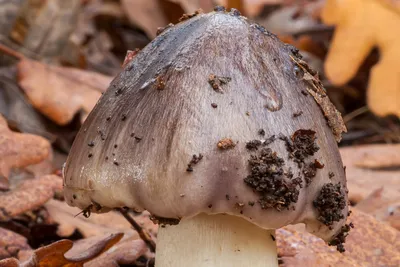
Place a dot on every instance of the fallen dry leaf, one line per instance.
(361, 26)
(149, 15)
(28, 195)
(59, 92)
(126, 251)
(381, 207)
(146, 14)
(11, 243)
(19, 150)
(381, 157)
(370, 244)
(362, 181)
(190, 6)
(96, 224)
(53, 254)
(42, 28)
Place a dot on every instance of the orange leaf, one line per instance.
(60, 92)
(360, 26)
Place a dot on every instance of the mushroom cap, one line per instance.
(207, 86)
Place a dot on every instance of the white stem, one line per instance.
(215, 241)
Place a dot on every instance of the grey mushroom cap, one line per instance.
(211, 77)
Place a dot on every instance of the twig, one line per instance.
(355, 113)
(11, 52)
(142, 233)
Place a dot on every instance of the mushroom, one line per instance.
(218, 180)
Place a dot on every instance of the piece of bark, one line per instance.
(29, 195)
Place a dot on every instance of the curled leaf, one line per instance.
(53, 254)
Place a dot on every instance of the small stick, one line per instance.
(142, 233)
(8, 51)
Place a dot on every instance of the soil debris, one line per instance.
(297, 114)
(189, 16)
(331, 175)
(261, 132)
(267, 179)
(195, 159)
(301, 145)
(330, 203)
(226, 143)
(162, 29)
(160, 83)
(164, 221)
(219, 9)
(340, 239)
(217, 82)
(332, 115)
(253, 144)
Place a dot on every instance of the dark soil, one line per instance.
(310, 171)
(340, 239)
(267, 178)
(253, 144)
(330, 204)
(301, 145)
(164, 221)
(195, 159)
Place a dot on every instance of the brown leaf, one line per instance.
(381, 157)
(96, 224)
(152, 14)
(43, 27)
(19, 150)
(146, 14)
(361, 181)
(59, 92)
(11, 243)
(371, 243)
(381, 207)
(53, 254)
(190, 6)
(28, 195)
(127, 251)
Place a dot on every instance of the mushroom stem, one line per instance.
(215, 240)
